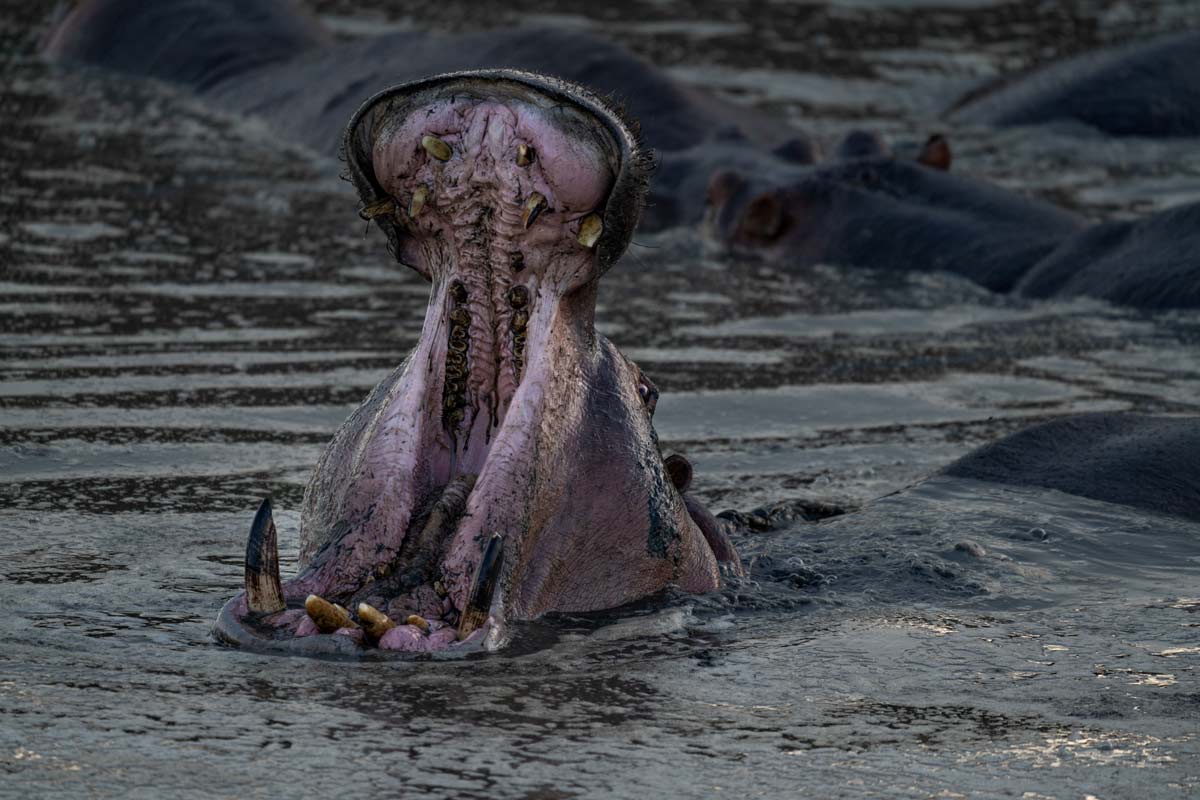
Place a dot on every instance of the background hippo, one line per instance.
(1145, 88)
(270, 59)
(863, 208)
(871, 209)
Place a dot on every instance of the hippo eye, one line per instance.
(763, 219)
(649, 396)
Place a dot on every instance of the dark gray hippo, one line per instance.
(1129, 459)
(873, 209)
(1148, 88)
(509, 467)
(753, 179)
(270, 58)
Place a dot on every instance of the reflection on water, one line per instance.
(189, 310)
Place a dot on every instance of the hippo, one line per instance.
(867, 207)
(739, 174)
(271, 59)
(509, 467)
(1149, 88)
(1136, 460)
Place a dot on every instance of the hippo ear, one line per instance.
(935, 153)
(862, 144)
(798, 150)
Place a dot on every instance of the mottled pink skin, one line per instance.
(568, 468)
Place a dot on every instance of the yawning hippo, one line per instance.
(508, 468)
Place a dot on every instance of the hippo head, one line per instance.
(868, 207)
(509, 467)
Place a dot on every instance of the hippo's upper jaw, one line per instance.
(508, 468)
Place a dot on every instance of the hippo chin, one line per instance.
(509, 467)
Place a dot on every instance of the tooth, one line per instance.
(418, 201)
(479, 601)
(416, 620)
(436, 148)
(378, 209)
(328, 616)
(374, 622)
(264, 594)
(590, 230)
(533, 207)
(525, 155)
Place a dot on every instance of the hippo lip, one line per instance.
(436, 513)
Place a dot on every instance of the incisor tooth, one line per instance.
(590, 230)
(327, 616)
(436, 147)
(534, 206)
(374, 622)
(524, 155)
(416, 620)
(418, 201)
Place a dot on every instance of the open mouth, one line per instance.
(508, 467)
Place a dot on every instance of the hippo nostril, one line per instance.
(525, 155)
(436, 148)
(679, 470)
(418, 201)
(516, 261)
(763, 219)
(534, 206)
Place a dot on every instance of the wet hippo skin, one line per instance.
(271, 59)
(886, 212)
(1130, 459)
(1149, 88)
(751, 178)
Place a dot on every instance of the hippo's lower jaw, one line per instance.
(509, 467)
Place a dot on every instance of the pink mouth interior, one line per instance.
(496, 227)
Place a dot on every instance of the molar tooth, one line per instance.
(479, 600)
(534, 206)
(590, 230)
(418, 201)
(327, 616)
(417, 621)
(264, 593)
(525, 155)
(374, 622)
(436, 147)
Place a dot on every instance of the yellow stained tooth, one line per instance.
(328, 616)
(590, 230)
(436, 147)
(378, 209)
(525, 155)
(418, 201)
(418, 621)
(374, 622)
(534, 206)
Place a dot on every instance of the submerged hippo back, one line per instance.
(1129, 459)
(197, 43)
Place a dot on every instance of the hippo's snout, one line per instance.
(508, 467)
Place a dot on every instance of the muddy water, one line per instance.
(189, 309)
